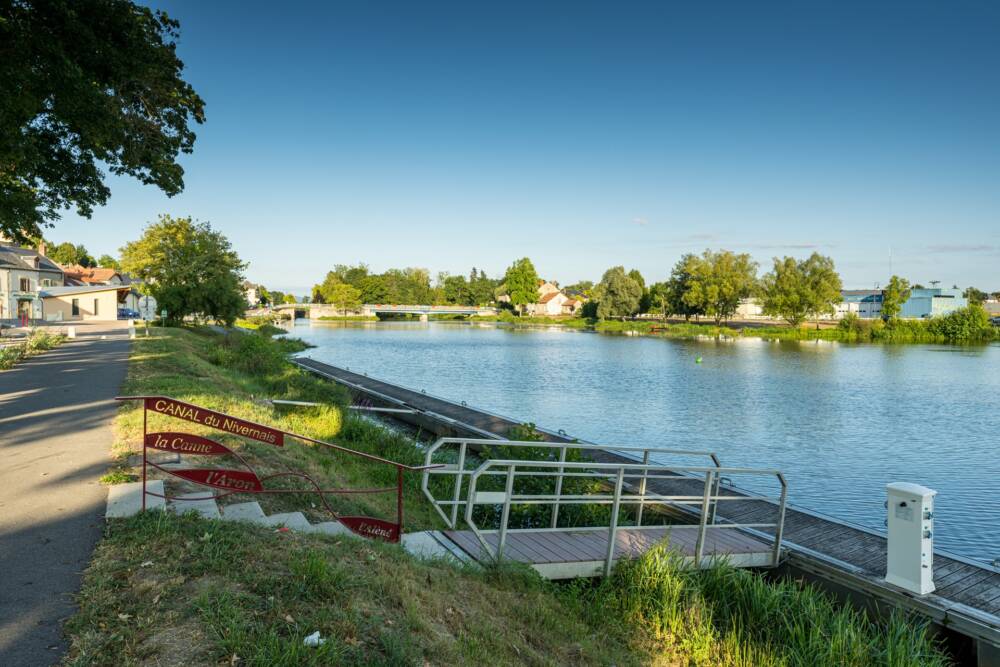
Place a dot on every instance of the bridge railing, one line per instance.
(511, 471)
(460, 457)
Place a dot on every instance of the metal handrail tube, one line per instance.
(629, 466)
(559, 481)
(458, 470)
(642, 488)
(699, 549)
(707, 501)
(575, 445)
(613, 529)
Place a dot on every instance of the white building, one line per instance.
(24, 272)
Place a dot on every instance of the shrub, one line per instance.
(725, 616)
(971, 323)
(256, 355)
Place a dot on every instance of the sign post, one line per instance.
(147, 310)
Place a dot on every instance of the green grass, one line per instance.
(955, 328)
(38, 341)
(725, 616)
(118, 475)
(175, 590)
(181, 590)
(172, 590)
(235, 374)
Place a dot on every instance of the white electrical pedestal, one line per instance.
(910, 561)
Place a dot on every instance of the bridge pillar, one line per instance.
(423, 317)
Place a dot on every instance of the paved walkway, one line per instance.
(55, 437)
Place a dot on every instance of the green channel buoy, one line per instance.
(697, 360)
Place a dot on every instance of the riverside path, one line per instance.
(55, 439)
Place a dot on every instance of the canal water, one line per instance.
(839, 420)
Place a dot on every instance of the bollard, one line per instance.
(70, 332)
(910, 557)
(131, 332)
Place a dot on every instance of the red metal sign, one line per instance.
(366, 526)
(216, 420)
(243, 481)
(185, 443)
(247, 481)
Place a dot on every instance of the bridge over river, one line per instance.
(318, 310)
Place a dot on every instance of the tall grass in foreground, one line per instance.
(725, 616)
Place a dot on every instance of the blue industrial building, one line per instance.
(865, 303)
(923, 302)
(931, 302)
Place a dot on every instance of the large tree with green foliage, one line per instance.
(189, 268)
(343, 297)
(521, 281)
(975, 295)
(895, 295)
(659, 299)
(455, 290)
(87, 84)
(719, 281)
(798, 289)
(109, 262)
(618, 294)
(645, 300)
(677, 287)
(481, 288)
(68, 254)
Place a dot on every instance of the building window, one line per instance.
(76, 308)
(25, 284)
(95, 306)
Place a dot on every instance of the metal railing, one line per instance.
(511, 470)
(458, 449)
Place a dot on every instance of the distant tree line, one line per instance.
(712, 284)
(345, 287)
(67, 254)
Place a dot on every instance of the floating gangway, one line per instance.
(847, 558)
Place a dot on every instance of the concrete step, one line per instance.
(244, 512)
(186, 503)
(293, 520)
(433, 544)
(125, 500)
(329, 528)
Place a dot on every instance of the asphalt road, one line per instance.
(55, 438)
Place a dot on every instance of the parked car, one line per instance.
(128, 314)
(995, 321)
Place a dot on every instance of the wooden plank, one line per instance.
(521, 551)
(739, 542)
(956, 590)
(581, 548)
(957, 575)
(548, 550)
(519, 547)
(993, 606)
(979, 594)
(945, 566)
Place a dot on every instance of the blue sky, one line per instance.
(586, 135)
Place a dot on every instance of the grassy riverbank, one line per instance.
(235, 374)
(175, 590)
(967, 325)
